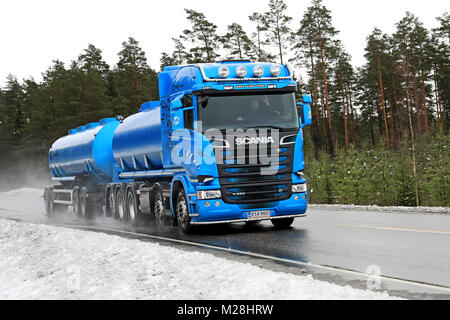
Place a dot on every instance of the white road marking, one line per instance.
(389, 228)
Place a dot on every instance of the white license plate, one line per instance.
(258, 214)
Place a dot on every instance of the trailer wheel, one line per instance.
(283, 223)
(86, 206)
(158, 210)
(76, 201)
(48, 200)
(121, 210)
(110, 208)
(182, 213)
(133, 214)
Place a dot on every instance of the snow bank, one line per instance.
(445, 210)
(47, 262)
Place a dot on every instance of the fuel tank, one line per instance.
(137, 142)
(86, 150)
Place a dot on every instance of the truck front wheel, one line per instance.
(282, 223)
(182, 212)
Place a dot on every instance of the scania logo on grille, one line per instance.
(254, 140)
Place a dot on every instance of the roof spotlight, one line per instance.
(241, 71)
(275, 70)
(224, 72)
(258, 71)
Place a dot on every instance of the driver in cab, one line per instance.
(260, 109)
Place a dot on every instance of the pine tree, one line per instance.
(277, 24)
(258, 38)
(237, 43)
(377, 56)
(316, 24)
(92, 73)
(135, 81)
(203, 36)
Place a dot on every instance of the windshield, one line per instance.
(275, 110)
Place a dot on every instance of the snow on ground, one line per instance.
(441, 210)
(47, 262)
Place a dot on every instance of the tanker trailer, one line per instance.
(81, 163)
(224, 144)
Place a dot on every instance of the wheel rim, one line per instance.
(49, 203)
(120, 205)
(76, 203)
(110, 204)
(83, 206)
(182, 212)
(159, 210)
(131, 207)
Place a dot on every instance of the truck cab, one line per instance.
(234, 130)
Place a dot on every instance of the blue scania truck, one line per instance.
(224, 144)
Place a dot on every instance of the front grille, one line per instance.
(252, 179)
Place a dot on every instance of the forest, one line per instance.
(380, 132)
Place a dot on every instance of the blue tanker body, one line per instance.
(137, 141)
(86, 151)
(163, 162)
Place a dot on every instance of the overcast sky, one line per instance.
(35, 32)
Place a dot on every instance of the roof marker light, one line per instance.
(258, 71)
(275, 70)
(224, 72)
(241, 71)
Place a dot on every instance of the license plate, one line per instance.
(258, 214)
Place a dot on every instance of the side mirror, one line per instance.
(306, 114)
(307, 99)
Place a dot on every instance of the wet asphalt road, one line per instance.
(409, 246)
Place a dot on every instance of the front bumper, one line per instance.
(220, 212)
(246, 220)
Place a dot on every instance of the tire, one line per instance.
(134, 216)
(182, 213)
(48, 200)
(252, 224)
(121, 204)
(282, 223)
(158, 211)
(110, 210)
(76, 201)
(87, 208)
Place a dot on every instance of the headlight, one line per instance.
(224, 72)
(275, 70)
(241, 71)
(209, 194)
(299, 188)
(258, 71)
